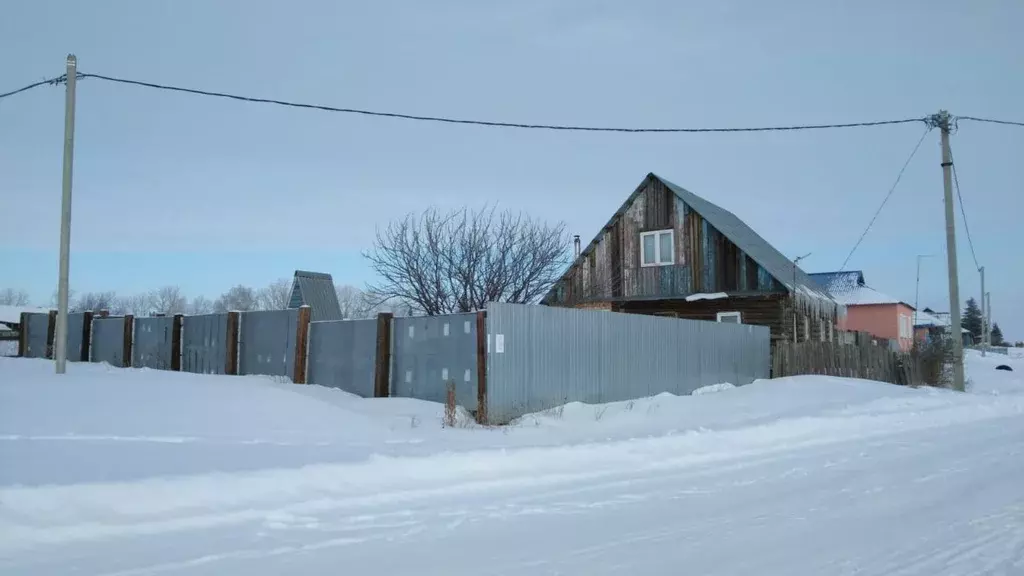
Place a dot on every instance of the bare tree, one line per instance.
(167, 300)
(457, 262)
(276, 295)
(56, 292)
(12, 297)
(199, 305)
(137, 304)
(240, 298)
(95, 301)
(355, 304)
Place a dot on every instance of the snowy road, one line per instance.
(915, 483)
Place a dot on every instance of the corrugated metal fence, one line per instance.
(540, 357)
(342, 355)
(204, 346)
(266, 343)
(153, 347)
(38, 335)
(76, 326)
(535, 357)
(108, 340)
(430, 351)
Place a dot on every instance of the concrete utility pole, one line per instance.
(942, 120)
(60, 348)
(988, 319)
(984, 318)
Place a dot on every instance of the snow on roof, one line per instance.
(848, 288)
(924, 319)
(12, 314)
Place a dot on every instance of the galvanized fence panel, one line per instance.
(204, 344)
(152, 342)
(342, 354)
(430, 351)
(38, 328)
(266, 342)
(108, 340)
(76, 324)
(541, 357)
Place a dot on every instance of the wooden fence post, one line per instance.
(84, 355)
(51, 329)
(382, 362)
(23, 335)
(301, 345)
(126, 343)
(176, 323)
(481, 367)
(231, 364)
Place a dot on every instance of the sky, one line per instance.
(207, 193)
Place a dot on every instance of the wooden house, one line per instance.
(669, 252)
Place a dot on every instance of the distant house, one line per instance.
(929, 325)
(316, 290)
(867, 309)
(669, 252)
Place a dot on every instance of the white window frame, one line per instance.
(734, 314)
(657, 248)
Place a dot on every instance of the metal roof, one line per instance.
(750, 242)
(316, 290)
(848, 288)
(842, 281)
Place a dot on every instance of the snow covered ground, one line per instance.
(109, 471)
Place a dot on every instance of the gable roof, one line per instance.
(848, 288)
(737, 231)
(750, 242)
(316, 290)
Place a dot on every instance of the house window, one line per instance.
(906, 328)
(730, 318)
(657, 248)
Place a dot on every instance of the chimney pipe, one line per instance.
(576, 244)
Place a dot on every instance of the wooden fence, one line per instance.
(845, 360)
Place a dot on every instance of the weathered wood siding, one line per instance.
(765, 310)
(704, 259)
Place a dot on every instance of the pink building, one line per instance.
(867, 309)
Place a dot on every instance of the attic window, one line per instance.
(657, 248)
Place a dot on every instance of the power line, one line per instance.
(967, 229)
(886, 199)
(448, 120)
(50, 81)
(990, 120)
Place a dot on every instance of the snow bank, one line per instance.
(712, 389)
(138, 471)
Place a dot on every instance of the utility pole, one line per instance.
(60, 350)
(942, 120)
(984, 318)
(988, 319)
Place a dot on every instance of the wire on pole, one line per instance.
(887, 196)
(963, 213)
(48, 82)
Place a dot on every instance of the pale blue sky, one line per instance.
(205, 193)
